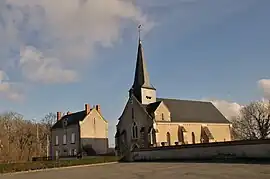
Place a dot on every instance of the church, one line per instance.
(149, 121)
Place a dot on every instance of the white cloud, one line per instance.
(264, 84)
(67, 33)
(228, 109)
(9, 90)
(37, 68)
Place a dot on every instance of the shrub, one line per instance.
(16, 167)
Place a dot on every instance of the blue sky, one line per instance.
(58, 59)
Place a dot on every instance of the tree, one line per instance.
(22, 139)
(45, 130)
(253, 121)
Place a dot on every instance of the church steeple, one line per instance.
(142, 88)
(141, 78)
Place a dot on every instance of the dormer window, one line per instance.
(65, 123)
(148, 97)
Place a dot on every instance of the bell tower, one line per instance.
(142, 88)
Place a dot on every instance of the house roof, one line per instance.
(71, 119)
(190, 111)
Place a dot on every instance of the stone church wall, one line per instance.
(232, 149)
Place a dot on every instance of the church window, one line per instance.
(162, 116)
(134, 131)
(152, 136)
(193, 137)
(181, 135)
(148, 97)
(132, 113)
(168, 138)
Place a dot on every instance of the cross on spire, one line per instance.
(139, 31)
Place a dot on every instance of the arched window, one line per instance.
(168, 138)
(180, 135)
(134, 131)
(193, 137)
(152, 136)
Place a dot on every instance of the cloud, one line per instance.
(62, 33)
(228, 109)
(37, 68)
(264, 85)
(9, 90)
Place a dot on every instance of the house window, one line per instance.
(70, 152)
(64, 139)
(57, 153)
(132, 113)
(134, 131)
(162, 116)
(73, 138)
(56, 140)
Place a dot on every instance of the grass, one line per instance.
(16, 167)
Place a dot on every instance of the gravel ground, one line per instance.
(153, 170)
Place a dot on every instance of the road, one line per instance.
(153, 170)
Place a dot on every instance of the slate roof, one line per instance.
(190, 111)
(150, 108)
(141, 78)
(71, 119)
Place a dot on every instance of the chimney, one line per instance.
(98, 108)
(68, 113)
(58, 116)
(87, 109)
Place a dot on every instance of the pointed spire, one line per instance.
(141, 78)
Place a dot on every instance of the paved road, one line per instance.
(153, 170)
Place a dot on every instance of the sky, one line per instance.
(57, 56)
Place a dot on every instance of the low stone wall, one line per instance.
(232, 149)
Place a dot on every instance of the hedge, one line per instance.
(28, 166)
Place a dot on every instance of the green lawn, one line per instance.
(15, 167)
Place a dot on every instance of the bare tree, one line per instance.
(22, 139)
(47, 122)
(253, 122)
